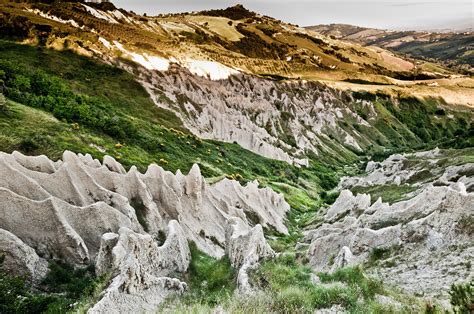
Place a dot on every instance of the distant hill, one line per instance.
(235, 37)
(454, 49)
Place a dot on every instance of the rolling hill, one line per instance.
(453, 49)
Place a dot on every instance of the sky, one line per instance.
(388, 14)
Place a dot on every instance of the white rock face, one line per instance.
(426, 239)
(79, 210)
(20, 259)
(101, 14)
(143, 59)
(390, 171)
(209, 69)
(281, 121)
(141, 269)
(53, 18)
(246, 247)
(345, 203)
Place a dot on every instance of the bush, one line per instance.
(329, 197)
(237, 12)
(462, 297)
(40, 90)
(29, 145)
(3, 103)
(16, 297)
(63, 278)
(364, 96)
(292, 299)
(355, 277)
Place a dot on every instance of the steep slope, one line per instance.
(421, 244)
(284, 121)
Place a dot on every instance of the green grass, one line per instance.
(462, 296)
(285, 286)
(389, 193)
(354, 277)
(210, 280)
(456, 157)
(410, 123)
(379, 254)
(289, 280)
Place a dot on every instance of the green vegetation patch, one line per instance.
(61, 289)
(462, 297)
(286, 285)
(389, 193)
(210, 280)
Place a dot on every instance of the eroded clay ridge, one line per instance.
(426, 240)
(81, 211)
(260, 115)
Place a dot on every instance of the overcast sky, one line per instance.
(395, 14)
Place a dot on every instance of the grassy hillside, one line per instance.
(454, 49)
(69, 102)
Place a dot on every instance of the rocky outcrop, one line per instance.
(399, 169)
(347, 203)
(246, 247)
(141, 268)
(20, 259)
(390, 171)
(78, 188)
(421, 244)
(281, 121)
(81, 211)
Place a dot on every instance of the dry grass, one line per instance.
(165, 35)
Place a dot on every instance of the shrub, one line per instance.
(292, 299)
(40, 90)
(66, 279)
(364, 96)
(329, 197)
(237, 12)
(355, 277)
(281, 273)
(3, 103)
(67, 285)
(462, 297)
(29, 145)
